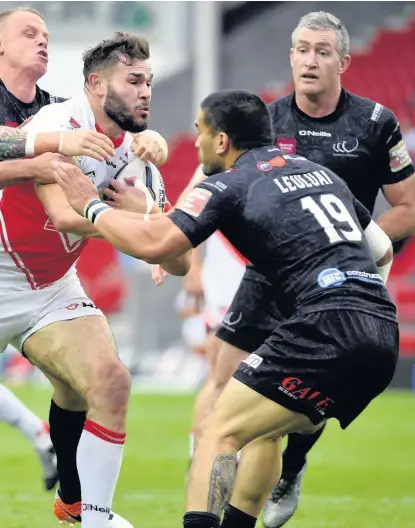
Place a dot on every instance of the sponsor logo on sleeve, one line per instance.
(399, 157)
(195, 202)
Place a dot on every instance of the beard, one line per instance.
(118, 111)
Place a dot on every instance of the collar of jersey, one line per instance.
(326, 119)
(251, 152)
(117, 142)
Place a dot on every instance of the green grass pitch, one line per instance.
(361, 478)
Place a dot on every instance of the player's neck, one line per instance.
(321, 105)
(232, 156)
(20, 83)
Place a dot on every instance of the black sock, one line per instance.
(201, 520)
(234, 518)
(298, 446)
(65, 431)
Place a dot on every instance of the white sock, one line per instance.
(15, 413)
(98, 460)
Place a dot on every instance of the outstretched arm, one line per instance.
(16, 144)
(155, 241)
(19, 143)
(160, 240)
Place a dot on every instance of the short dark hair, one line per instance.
(123, 47)
(242, 115)
(5, 14)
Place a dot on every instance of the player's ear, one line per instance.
(1, 47)
(97, 84)
(344, 64)
(222, 143)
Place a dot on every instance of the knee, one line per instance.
(110, 387)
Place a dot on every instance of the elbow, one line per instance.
(183, 267)
(156, 254)
(186, 263)
(179, 266)
(150, 259)
(152, 254)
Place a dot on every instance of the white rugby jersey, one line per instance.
(32, 253)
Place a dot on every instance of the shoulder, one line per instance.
(371, 113)
(224, 186)
(52, 117)
(52, 110)
(47, 98)
(221, 181)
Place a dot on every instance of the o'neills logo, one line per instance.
(94, 507)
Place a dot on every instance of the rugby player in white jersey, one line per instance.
(55, 325)
(24, 44)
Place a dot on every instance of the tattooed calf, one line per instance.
(221, 483)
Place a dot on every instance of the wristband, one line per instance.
(30, 143)
(93, 209)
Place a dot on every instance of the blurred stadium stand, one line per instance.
(198, 47)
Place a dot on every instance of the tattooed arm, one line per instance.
(12, 147)
(45, 147)
(12, 143)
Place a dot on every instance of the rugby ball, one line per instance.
(147, 176)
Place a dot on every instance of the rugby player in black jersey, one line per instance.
(302, 228)
(361, 141)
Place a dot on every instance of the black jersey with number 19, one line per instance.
(300, 226)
